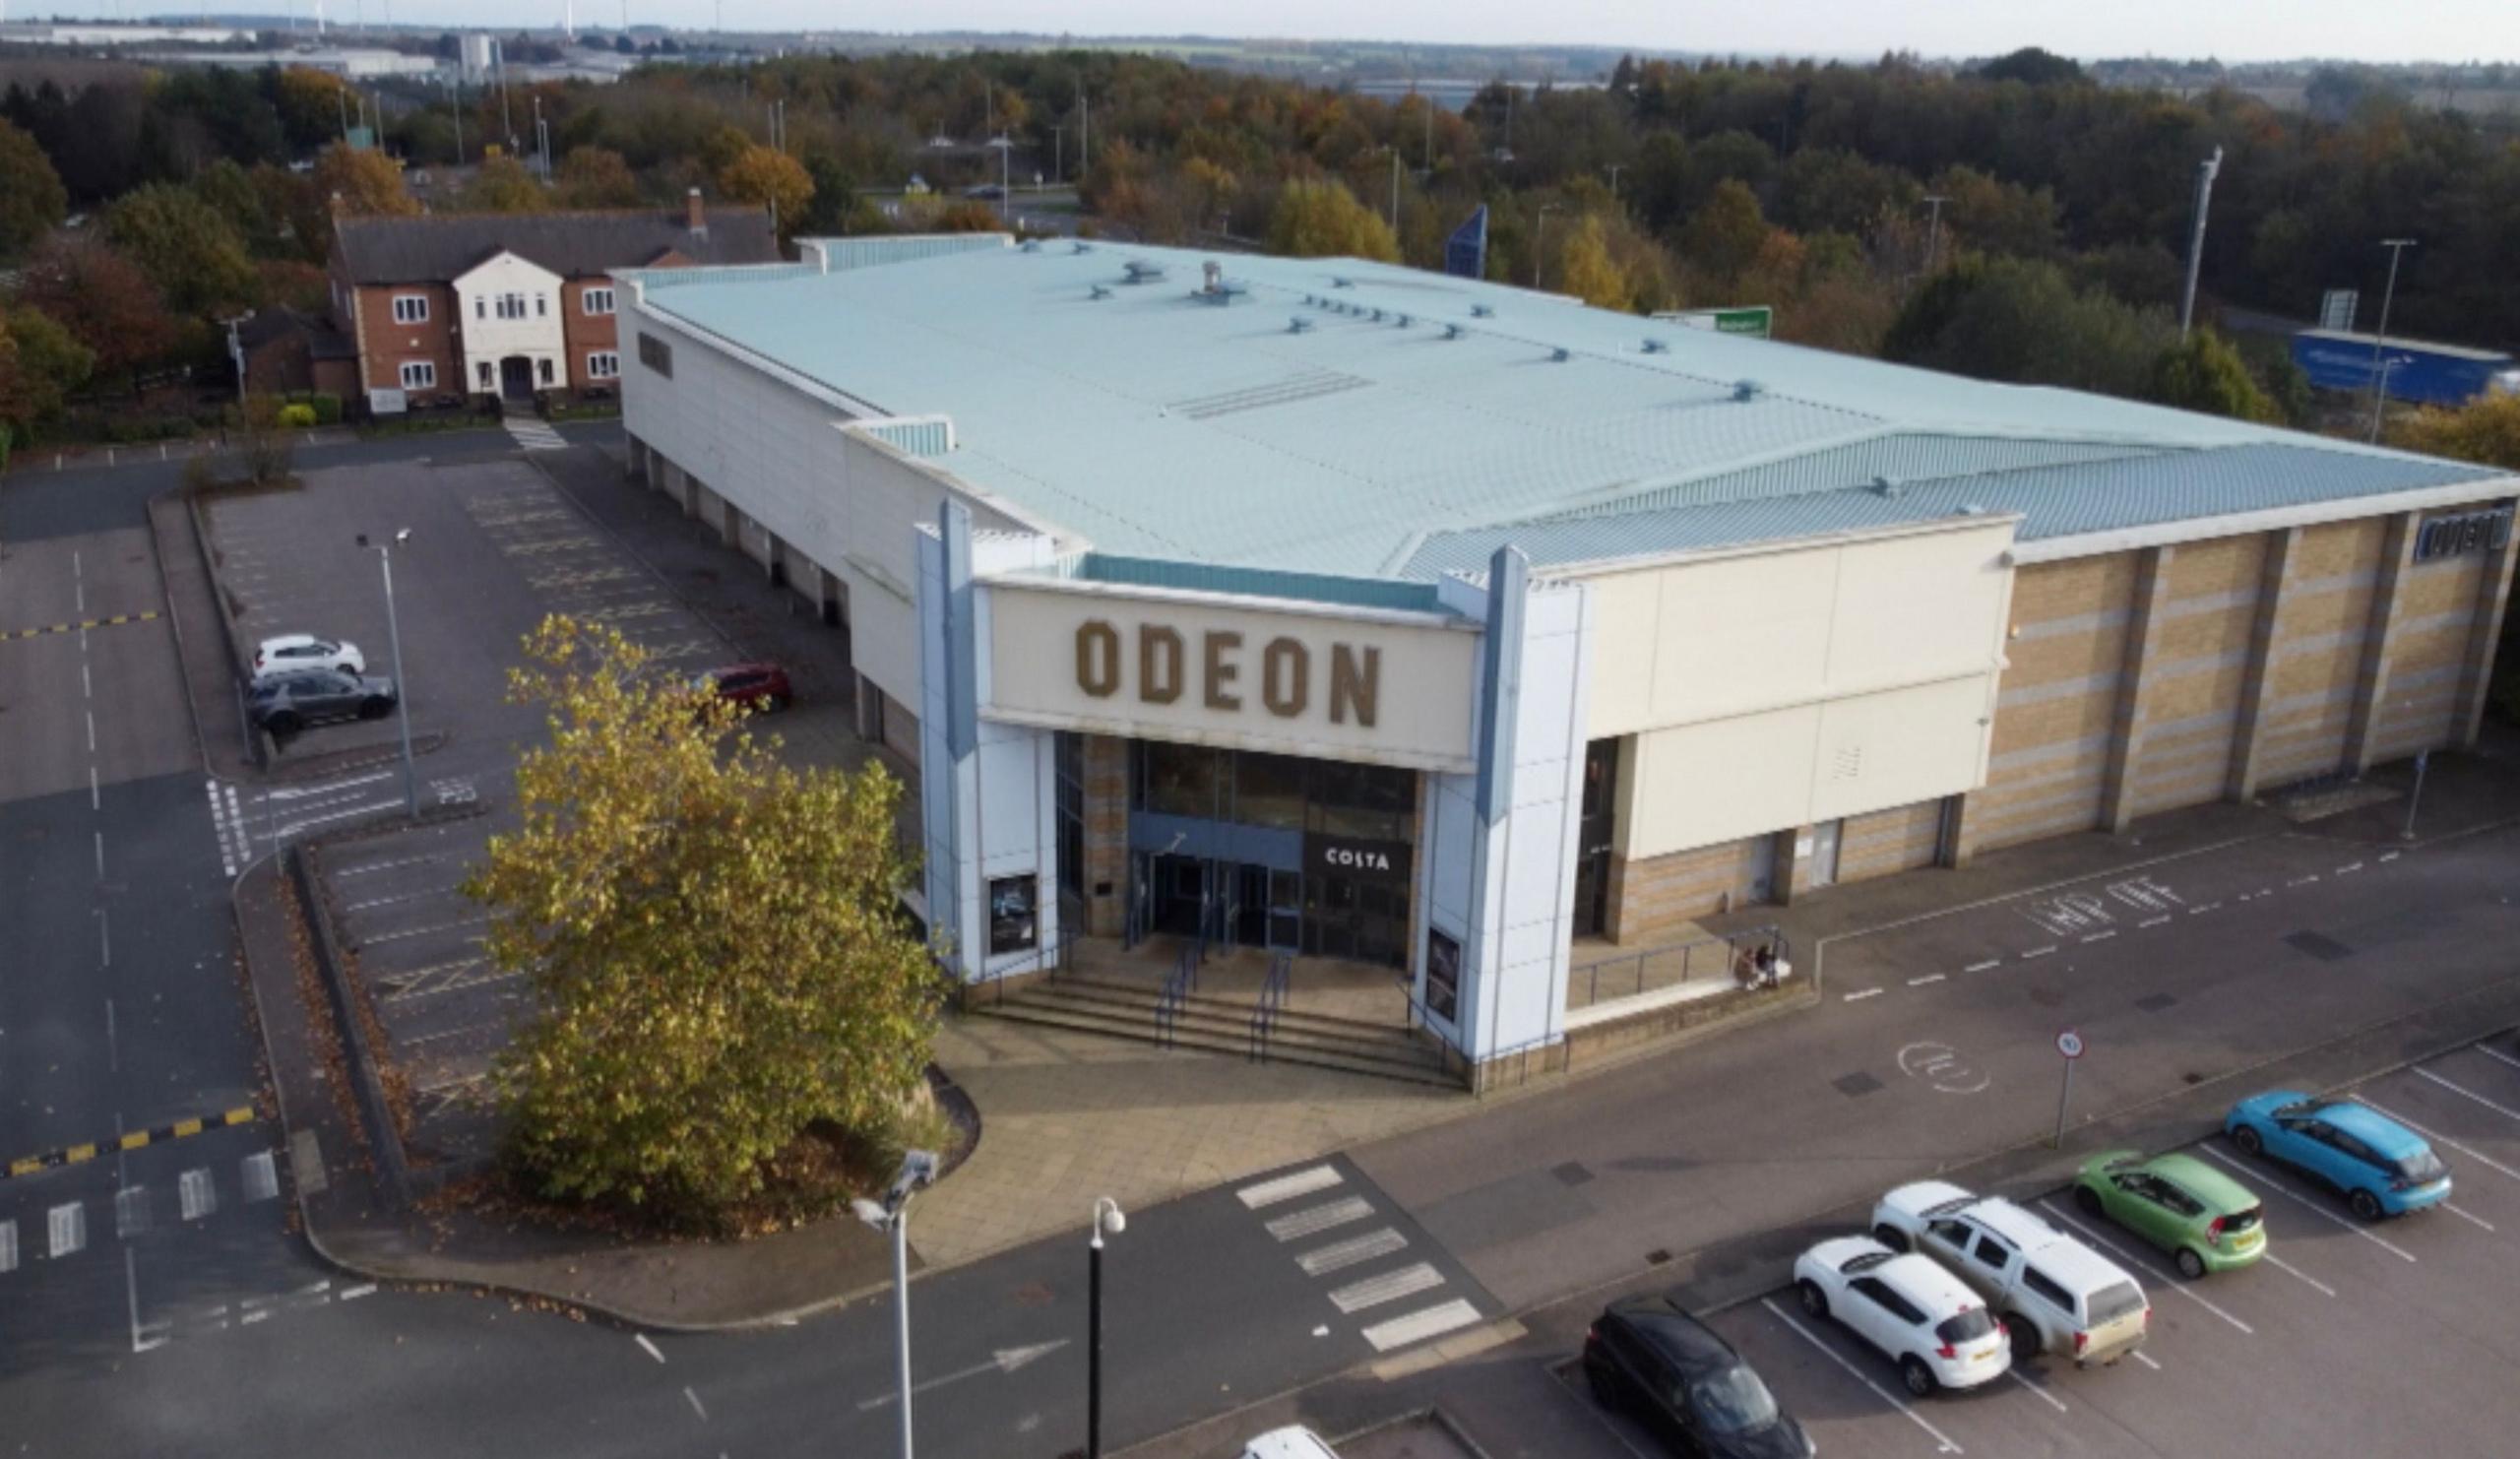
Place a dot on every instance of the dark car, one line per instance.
(290, 702)
(1674, 1374)
(751, 686)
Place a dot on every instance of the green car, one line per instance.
(2205, 1219)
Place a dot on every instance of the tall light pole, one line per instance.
(918, 1168)
(2205, 171)
(1615, 168)
(1933, 228)
(1540, 232)
(402, 688)
(1005, 180)
(2397, 247)
(1106, 1219)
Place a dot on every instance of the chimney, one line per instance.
(694, 213)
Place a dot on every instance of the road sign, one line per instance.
(2338, 306)
(2069, 1043)
(1757, 321)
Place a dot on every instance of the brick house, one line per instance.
(450, 306)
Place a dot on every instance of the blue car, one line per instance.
(2379, 1166)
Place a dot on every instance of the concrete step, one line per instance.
(1138, 1025)
(1144, 994)
(1332, 1036)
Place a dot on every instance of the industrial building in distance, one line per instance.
(1396, 618)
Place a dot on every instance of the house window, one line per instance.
(598, 300)
(603, 364)
(542, 306)
(484, 371)
(480, 308)
(411, 308)
(544, 366)
(419, 374)
(511, 306)
(656, 355)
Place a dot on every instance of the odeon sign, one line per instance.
(1285, 671)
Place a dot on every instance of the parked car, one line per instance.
(285, 704)
(1679, 1379)
(2205, 1219)
(286, 653)
(2379, 1166)
(755, 687)
(1919, 1316)
(2054, 1294)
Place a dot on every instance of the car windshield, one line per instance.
(1968, 1327)
(2422, 1167)
(2114, 1301)
(1733, 1401)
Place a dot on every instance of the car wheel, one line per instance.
(2366, 1205)
(2251, 1143)
(1891, 1236)
(375, 709)
(281, 725)
(2087, 1200)
(2190, 1265)
(346, 667)
(1605, 1391)
(2023, 1335)
(1814, 1300)
(1919, 1377)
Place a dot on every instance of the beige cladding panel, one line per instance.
(1384, 689)
(1703, 784)
(1887, 841)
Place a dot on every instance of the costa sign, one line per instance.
(1355, 859)
(1284, 674)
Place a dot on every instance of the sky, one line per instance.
(2227, 30)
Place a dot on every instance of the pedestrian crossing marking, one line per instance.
(1288, 1187)
(8, 1246)
(68, 1228)
(1373, 1292)
(261, 1177)
(198, 1197)
(1318, 1219)
(1418, 1326)
(1339, 1256)
(131, 1211)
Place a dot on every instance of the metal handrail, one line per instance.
(1168, 1006)
(1271, 1002)
(1733, 962)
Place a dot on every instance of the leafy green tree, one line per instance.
(595, 177)
(2031, 66)
(46, 367)
(2021, 321)
(32, 198)
(502, 184)
(185, 247)
(1723, 239)
(2204, 373)
(713, 940)
(109, 305)
(1320, 218)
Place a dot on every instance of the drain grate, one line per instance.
(1572, 1173)
(1856, 1084)
(2324, 949)
(2155, 1002)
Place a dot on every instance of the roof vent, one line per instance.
(1297, 324)
(1481, 311)
(1747, 390)
(1889, 486)
(1082, 248)
(1452, 332)
(1970, 509)
(1400, 319)
(1100, 293)
(1654, 347)
(1139, 271)
(1559, 354)
(1337, 282)
(1377, 316)
(1032, 245)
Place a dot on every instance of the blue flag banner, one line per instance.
(1466, 251)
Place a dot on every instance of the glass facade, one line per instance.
(1278, 791)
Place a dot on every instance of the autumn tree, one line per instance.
(2485, 430)
(102, 299)
(2204, 373)
(1323, 219)
(368, 183)
(185, 247)
(1585, 270)
(502, 184)
(45, 364)
(312, 104)
(32, 199)
(769, 179)
(1723, 239)
(713, 940)
(595, 177)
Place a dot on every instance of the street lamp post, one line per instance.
(1106, 1218)
(402, 686)
(2397, 247)
(918, 1168)
(1005, 180)
(1539, 233)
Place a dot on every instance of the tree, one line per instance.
(1323, 219)
(503, 185)
(596, 177)
(184, 246)
(2486, 431)
(1585, 270)
(712, 937)
(32, 198)
(1723, 237)
(368, 183)
(313, 105)
(102, 299)
(45, 365)
(2031, 66)
(2204, 373)
(2022, 321)
(771, 179)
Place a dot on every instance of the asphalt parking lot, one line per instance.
(2396, 1338)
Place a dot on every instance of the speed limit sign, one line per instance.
(2069, 1043)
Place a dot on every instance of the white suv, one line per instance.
(1916, 1314)
(2055, 1295)
(288, 653)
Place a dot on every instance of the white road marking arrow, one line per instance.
(1004, 1361)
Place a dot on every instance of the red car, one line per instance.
(756, 687)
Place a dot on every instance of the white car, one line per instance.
(288, 653)
(2054, 1294)
(1921, 1316)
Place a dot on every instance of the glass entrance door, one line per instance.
(1286, 910)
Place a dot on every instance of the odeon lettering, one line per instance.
(1159, 670)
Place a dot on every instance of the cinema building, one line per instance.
(1389, 619)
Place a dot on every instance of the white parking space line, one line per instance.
(1870, 993)
(260, 1174)
(1318, 1219)
(8, 1246)
(1418, 1326)
(2044, 1396)
(2131, 1259)
(1339, 1256)
(2473, 1220)
(2281, 1265)
(381, 866)
(1373, 1292)
(67, 1226)
(1928, 978)
(2506, 1111)
(2486, 1160)
(2035, 952)
(1288, 1187)
(2146, 1359)
(1983, 966)
(649, 1348)
(1832, 1353)
(131, 1211)
(2314, 1208)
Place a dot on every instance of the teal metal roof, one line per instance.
(1365, 420)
